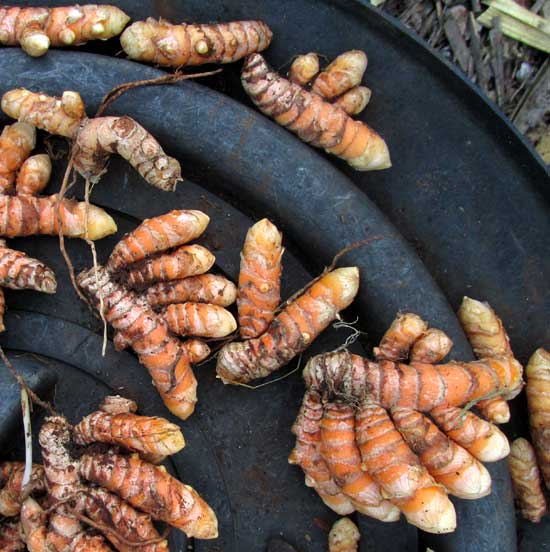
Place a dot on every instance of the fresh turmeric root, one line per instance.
(204, 288)
(421, 387)
(343, 74)
(404, 480)
(33, 526)
(396, 343)
(292, 331)
(10, 495)
(101, 137)
(307, 454)
(304, 68)
(355, 100)
(108, 509)
(29, 215)
(115, 404)
(448, 463)
(62, 116)
(186, 261)
(163, 43)
(148, 334)
(344, 536)
(338, 82)
(156, 235)
(151, 489)
(313, 119)
(413, 461)
(10, 538)
(34, 175)
(59, 523)
(480, 438)
(196, 350)
(526, 480)
(538, 393)
(143, 434)
(259, 278)
(199, 319)
(36, 29)
(431, 347)
(95, 139)
(340, 452)
(16, 143)
(62, 475)
(18, 271)
(488, 337)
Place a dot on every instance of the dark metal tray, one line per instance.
(260, 169)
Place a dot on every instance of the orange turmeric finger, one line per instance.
(156, 235)
(11, 539)
(400, 337)
(110, 510)
(488, 338)
(18, 271)
(304, 68)
(204, 288)
(163, 43)
(10, 495)
(34, 175)
(496, 410)
(115, 404)
(449, 464)
(292, 331)
(431, 347)
(526, 480)
(385, 455)
(61, 116)
(538, 401)
(33, 526)
(259, 278)
(151, 489)
(148, 334)
(150, 435)
(484, 329)
(341, 454)
(480, 438)
(196, 350)
(307, 455)
(60, 469)
(392, 464)
(313, 119)
(187, 260)
(65, 532)
(199, 319)
(343, 74)
(418, 386)
(28, 216)
(344, 536)
(98, 138)
(36, 29)
(16, 143)
(354, 100)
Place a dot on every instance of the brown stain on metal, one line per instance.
(531, 276)
(263, 483)
(235, 156)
